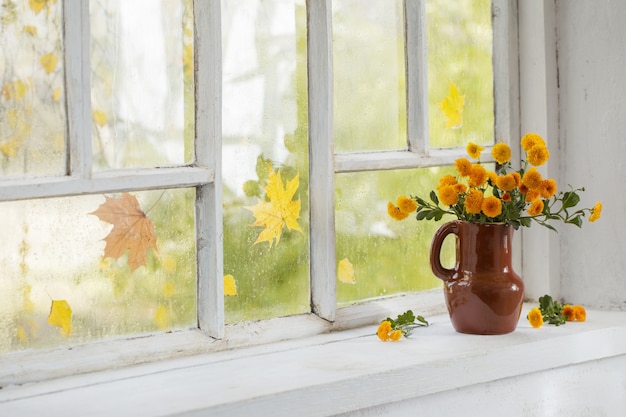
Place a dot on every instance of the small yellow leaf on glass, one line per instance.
(168, 289)
(61, 316)
(36, 5)
(100, 117)
(162, 318)
(230, 287)
(31, 30)
(49, 62)
(345, 271)
(452, 107)
(19, 88)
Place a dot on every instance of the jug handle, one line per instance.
(439, 270)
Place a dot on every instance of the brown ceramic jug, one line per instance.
(482, 292)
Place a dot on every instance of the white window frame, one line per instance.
(212, 333)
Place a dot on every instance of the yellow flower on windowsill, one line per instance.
(554, 312)
(393, 329)
(515, 197)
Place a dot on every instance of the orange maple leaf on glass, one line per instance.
(132, 230)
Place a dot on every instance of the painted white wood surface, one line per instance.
(321, 147)
(208, 149)
(592, 58)
(352, 370)
(539, 114)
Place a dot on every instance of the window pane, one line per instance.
(265, 162)
(384, 256)
(369, 75)
(460, 72)
(32, 111)
(53, 256)
(142, 86)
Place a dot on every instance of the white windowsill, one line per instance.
(324, 375)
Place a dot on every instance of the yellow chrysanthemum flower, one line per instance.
(477, 176)
(460, 188)
(580, 313)
(463, 166)
(383, 330)
(447, 180)
(448, 195)
(506, 197)
(523, 189)
(491, 206)
(538, 155)
(501, 153)
(596, 211)
(531, 139)
(473, 201)
(535, 318)
(532, 195)
(492, 176)
(395, 212)
(506, 182)
(406, 204)
(547, 188)
(474, 150)
(518, 178)
(395, 335)
(536, 207)
(532, 178)
(568, 312)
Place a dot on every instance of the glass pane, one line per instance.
(383, 256)
(142, 83)
(265, 162)
(460, 72)
(61, 282)
(369, 75)
(32, 110)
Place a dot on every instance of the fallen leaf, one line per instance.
(345, 271)
(31, 30)
(27, 303)
(132, 230)
(36, 5)
(21, 334)
(162, 317)
(100, 117)
(280, 211)
(61, 316)
(230, 287)
(452, 107)
(49, 62)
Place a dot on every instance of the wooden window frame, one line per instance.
(212, 334)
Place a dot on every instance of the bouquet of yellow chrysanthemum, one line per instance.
(478, 195)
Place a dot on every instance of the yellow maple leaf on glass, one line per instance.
(345, 271)
(452, 107)
(279, 210)
(61, 316)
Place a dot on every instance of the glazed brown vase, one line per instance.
(482, 292)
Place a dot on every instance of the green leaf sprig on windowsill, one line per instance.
(554, 312)
(551, 311)
(392, 330)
